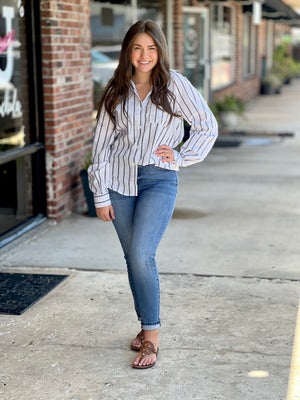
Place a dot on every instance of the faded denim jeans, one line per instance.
(140, 222)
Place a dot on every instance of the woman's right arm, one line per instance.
(98, 171)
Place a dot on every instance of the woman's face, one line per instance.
(144, 54)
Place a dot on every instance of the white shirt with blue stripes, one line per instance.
(117, 151)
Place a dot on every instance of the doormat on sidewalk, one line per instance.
(18, 292)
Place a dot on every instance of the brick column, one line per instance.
(68, 100)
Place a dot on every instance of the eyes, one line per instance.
(149, 48)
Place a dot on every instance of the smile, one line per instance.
(145, 62)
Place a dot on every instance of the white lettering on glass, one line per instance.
(10, 104)
(5, 76)
(21, 9)
(12, 107)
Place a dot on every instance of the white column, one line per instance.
(134, 11)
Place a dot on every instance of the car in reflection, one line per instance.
(103, 67)
(112, 51)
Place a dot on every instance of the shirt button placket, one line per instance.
(138, 133)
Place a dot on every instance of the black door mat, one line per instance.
(18, 292)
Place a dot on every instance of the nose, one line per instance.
(144, 53)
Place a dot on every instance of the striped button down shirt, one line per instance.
(118, 150)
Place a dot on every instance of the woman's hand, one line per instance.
(106, 213)
(165, 153)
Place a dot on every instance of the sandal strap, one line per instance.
(147, 348)
(140, 336)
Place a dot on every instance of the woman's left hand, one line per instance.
(165, 153)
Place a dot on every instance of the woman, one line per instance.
(134, 171)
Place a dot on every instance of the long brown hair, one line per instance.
(117, 88)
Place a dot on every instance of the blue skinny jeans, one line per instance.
(140, 222)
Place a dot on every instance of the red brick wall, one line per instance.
(67, 82)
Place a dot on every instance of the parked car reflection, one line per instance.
(103, 67)
(112, 51)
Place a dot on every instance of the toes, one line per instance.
(138, 359)
(144, 360)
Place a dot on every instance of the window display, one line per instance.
(223, 46)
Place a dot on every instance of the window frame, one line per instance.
(249, 52)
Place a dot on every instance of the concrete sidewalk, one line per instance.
(229, 266)
(74, 344)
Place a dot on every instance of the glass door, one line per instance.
(196, 66)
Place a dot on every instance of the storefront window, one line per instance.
(12, 73)
(109, 23)
(248, 46)
(18, 148)
(194, 46)
(223, 46)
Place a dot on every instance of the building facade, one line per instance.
(56, 58)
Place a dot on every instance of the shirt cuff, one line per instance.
(102, 200)
(178, 158)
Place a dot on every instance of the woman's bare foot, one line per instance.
(148, 359)
(137, 342)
